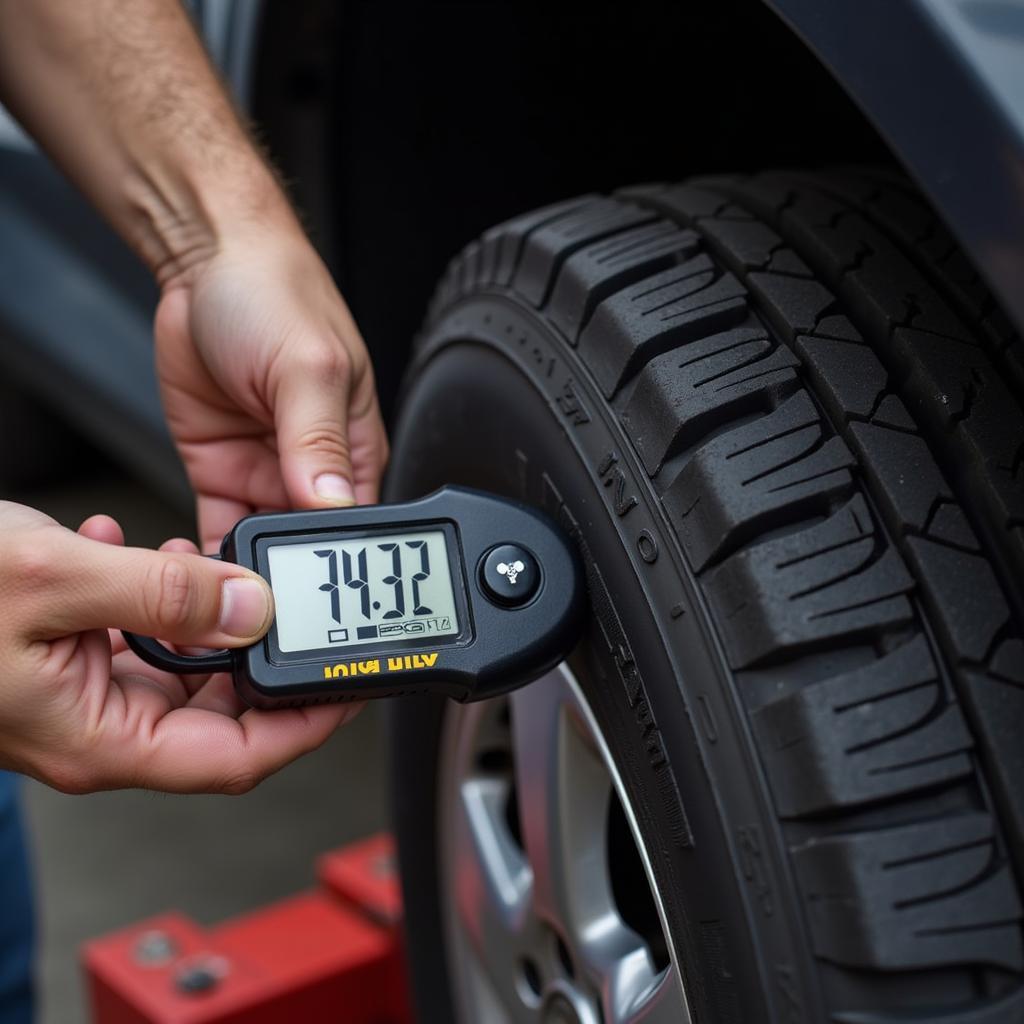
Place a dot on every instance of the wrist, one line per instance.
(184, 216)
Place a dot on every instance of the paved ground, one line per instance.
(105, 860)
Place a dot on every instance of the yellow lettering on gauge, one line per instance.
(353, 668)
(404, 662)
(407, 661)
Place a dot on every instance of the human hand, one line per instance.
(81, 713)
(266, 382)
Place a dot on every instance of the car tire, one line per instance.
(782, 417)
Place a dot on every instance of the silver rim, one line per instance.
(551, 912)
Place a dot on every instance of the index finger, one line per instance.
(216, 517)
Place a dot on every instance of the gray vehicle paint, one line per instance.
(943, 81)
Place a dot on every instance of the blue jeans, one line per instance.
(16, 924)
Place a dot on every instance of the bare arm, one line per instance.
(266, 382)
(123, 97)
(266, 385)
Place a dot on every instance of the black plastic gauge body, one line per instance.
(364, 608)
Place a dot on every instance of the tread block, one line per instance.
(891, 412)
(742, 481)
(835, 325)
(506, 239)
(1008, 662)
(962, 391)
(682, 394)
(837, 578)
(686, 201)
(889, 289)
(469, 267)
(600, 269)
(1008, 1009)
(948, 372)
(677, 305)
(843, 242)
(447, 290)
(925, 895)
(549, 244)
(792, 305)
(969, 606)
(949, 525)
(786, 261)
(953, 381)
(487, 262)
(998, 708)
(754, 245)
(900, 212)
(859, 185)
(903, 469)
(848, 377)
(870, 734)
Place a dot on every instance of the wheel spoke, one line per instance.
(564, 793)
(619, 965)
(493, 884)
(664, 1004)
(514, 883)
(563, 803)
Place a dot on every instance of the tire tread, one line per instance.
(822, 393)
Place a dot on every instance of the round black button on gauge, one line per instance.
(509, 575)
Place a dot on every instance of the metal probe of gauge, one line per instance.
(460, 593)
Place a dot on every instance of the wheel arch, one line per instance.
(944, 85)
(926, 85)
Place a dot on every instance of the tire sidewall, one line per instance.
(497, 400)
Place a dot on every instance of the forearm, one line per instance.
(124, 98)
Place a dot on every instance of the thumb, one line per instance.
(175, 596)
(311, 417)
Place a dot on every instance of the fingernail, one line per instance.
(244, 607)
(334, 488)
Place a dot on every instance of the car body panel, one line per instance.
(943, 81)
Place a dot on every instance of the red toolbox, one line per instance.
(332, 954)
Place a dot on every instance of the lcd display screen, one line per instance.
(344, 593)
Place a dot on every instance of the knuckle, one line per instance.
(170, 596)
(30, 565)
(323, 438)
(325, 363)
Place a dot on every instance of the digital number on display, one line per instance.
(374, 589)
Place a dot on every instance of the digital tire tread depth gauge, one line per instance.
(460, 593)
